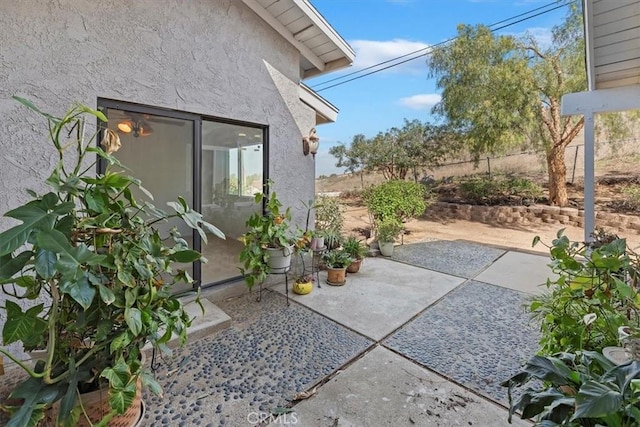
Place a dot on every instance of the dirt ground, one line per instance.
(517, 237)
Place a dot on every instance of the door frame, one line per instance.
(105, 103)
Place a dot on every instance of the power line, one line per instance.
(432, 47)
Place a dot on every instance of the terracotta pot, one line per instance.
(96, 403)
(336, 276)
(354, 267)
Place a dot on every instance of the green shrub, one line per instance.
(388, 229)
(480, 190)
(632, 197)
(493, 191)
(595, 293)
(329, 214)
(395, 199)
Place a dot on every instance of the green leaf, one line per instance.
(22, 326)
(81, 290)
(106, 294)
(30, 105)
(37, 396)
(185, 256)
(133, 317)
(32, 217)
(120, 341)
(121, 399)
(45, 263)
(549, 369)
(11, 265)
(149, 382)
(596, 400)
(118, 375)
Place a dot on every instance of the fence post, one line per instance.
(575, 159)
(489, 166)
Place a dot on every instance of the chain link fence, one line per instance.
(532, 163)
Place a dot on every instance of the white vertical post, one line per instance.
(589, 177)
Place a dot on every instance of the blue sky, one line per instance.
(379, 30)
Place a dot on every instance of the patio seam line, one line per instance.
(425, 268)
(488, 266)
(411, 319)
(505, 287)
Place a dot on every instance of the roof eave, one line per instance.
(325, 111)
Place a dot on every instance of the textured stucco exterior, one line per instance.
(211, 57)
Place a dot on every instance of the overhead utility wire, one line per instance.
(431, 48)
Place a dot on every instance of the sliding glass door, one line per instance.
(232, 158)
(158, 150)
(216, 166)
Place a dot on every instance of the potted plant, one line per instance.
(268, 243)
(356, 250)
(96, 279)
(336, 261)
(388, 229)
(303, 284)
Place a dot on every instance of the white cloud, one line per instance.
(542, 35)
(372, 52)
(422, 101)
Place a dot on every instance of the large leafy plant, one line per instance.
(596, 292)
(268, 229)
(581, 389)
(90, 250)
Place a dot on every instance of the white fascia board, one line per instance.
(284, 32)
(322, 24)
(322, 107)
(601, 101)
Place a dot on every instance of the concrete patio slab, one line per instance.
(478, 335)
(384, 389)
(520, 271)
(378, 299)
(462, 259)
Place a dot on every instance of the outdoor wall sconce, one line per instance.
(311, 143)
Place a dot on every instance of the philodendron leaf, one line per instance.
(133, 317)
(120, 399)
(80, 290)
(33, 217)
(36, 396)
(185, 256)
(22, 326)
(11, 265)
(150, 383)
(45, 262)
(596, 400)
(118, 375)
(106, 294)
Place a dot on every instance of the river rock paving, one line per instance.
(478, 335)
(270, 353)
(462, 259)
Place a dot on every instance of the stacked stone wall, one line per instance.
(536, 214)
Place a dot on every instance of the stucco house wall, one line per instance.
(211, 57)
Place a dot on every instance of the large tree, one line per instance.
(501, 91)
(398, 152)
